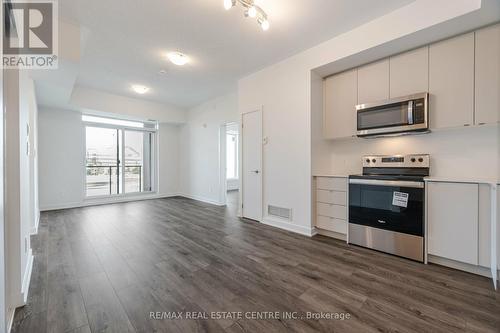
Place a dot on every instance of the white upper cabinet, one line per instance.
(409, 73)
(452, 220)
(451, 82)
(373, 82)
(487, 87)
(340, 98)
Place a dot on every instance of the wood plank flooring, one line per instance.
(105, 268)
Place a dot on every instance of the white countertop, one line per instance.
(433, 179)
(331, 175)
(462, 180)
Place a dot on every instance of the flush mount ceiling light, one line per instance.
(140, 89)
(178, 58)
(251, 10)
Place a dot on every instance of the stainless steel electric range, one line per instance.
(386, 205)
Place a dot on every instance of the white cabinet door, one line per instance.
(340, 99)
(451, 82)
(409, 73)
(452, 213)
(484, 246)
(487, 87)
(373, 82)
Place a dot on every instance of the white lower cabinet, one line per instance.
(331, 204)
(484, 227)
(332, 224)
(453, 221)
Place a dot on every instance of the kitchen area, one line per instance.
(405, 153)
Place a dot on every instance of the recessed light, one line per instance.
(178, 58)
(140, 89)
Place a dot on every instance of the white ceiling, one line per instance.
(128, 40)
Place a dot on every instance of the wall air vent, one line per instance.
(283, 213)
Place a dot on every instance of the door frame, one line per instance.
(3, 295)
(222, 164)
(241, 171)
(223, 160)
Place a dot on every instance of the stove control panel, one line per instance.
(396, 161)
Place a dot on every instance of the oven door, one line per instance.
(386, 204)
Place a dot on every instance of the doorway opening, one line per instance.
(230, 164)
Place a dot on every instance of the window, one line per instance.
(119, 156)
(232, 154)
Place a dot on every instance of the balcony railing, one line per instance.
(105, 179)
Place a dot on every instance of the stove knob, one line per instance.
(413, 159)
(420, 159)
(374, 160)
(367, 160)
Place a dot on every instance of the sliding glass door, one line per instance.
(138, 161)
(119, 159)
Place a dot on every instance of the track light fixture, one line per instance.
(251, 10)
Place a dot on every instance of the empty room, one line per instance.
(250, 166)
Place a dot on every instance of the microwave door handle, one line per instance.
(410, 112)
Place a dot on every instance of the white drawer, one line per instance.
(331, 196)
(331, 210)
(331, 224)
(331, 183)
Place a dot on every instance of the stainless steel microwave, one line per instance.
(401, 115)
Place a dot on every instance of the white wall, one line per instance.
(61, 158)
(19, 97)
(62, 164)
(199, 148)
(456, 153)
(284, 90)
(91, 99)
(168, 137)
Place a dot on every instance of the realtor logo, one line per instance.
(30, 39)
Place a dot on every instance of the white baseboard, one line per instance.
(460, 266)
(202, 199)
(289, 226)
(86, 203)
(331, 234)
(27, 277)
(34, 230)
(10, 320)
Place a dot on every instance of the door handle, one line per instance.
(410, 113)
(255, 171)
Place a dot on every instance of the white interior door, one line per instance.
(252, 165)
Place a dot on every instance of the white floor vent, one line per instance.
(283, 213)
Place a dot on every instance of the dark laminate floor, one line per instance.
(105, 268)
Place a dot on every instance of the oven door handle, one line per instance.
(396, 183)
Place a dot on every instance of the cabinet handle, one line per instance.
(466, 125)
(481, 124)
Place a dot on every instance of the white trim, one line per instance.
(10, 320)
(479, 270)
(241, 162)
(27, 277)
(87, 203)
(202, 199)
(34, 230)
(298, 229)
(332, 234)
